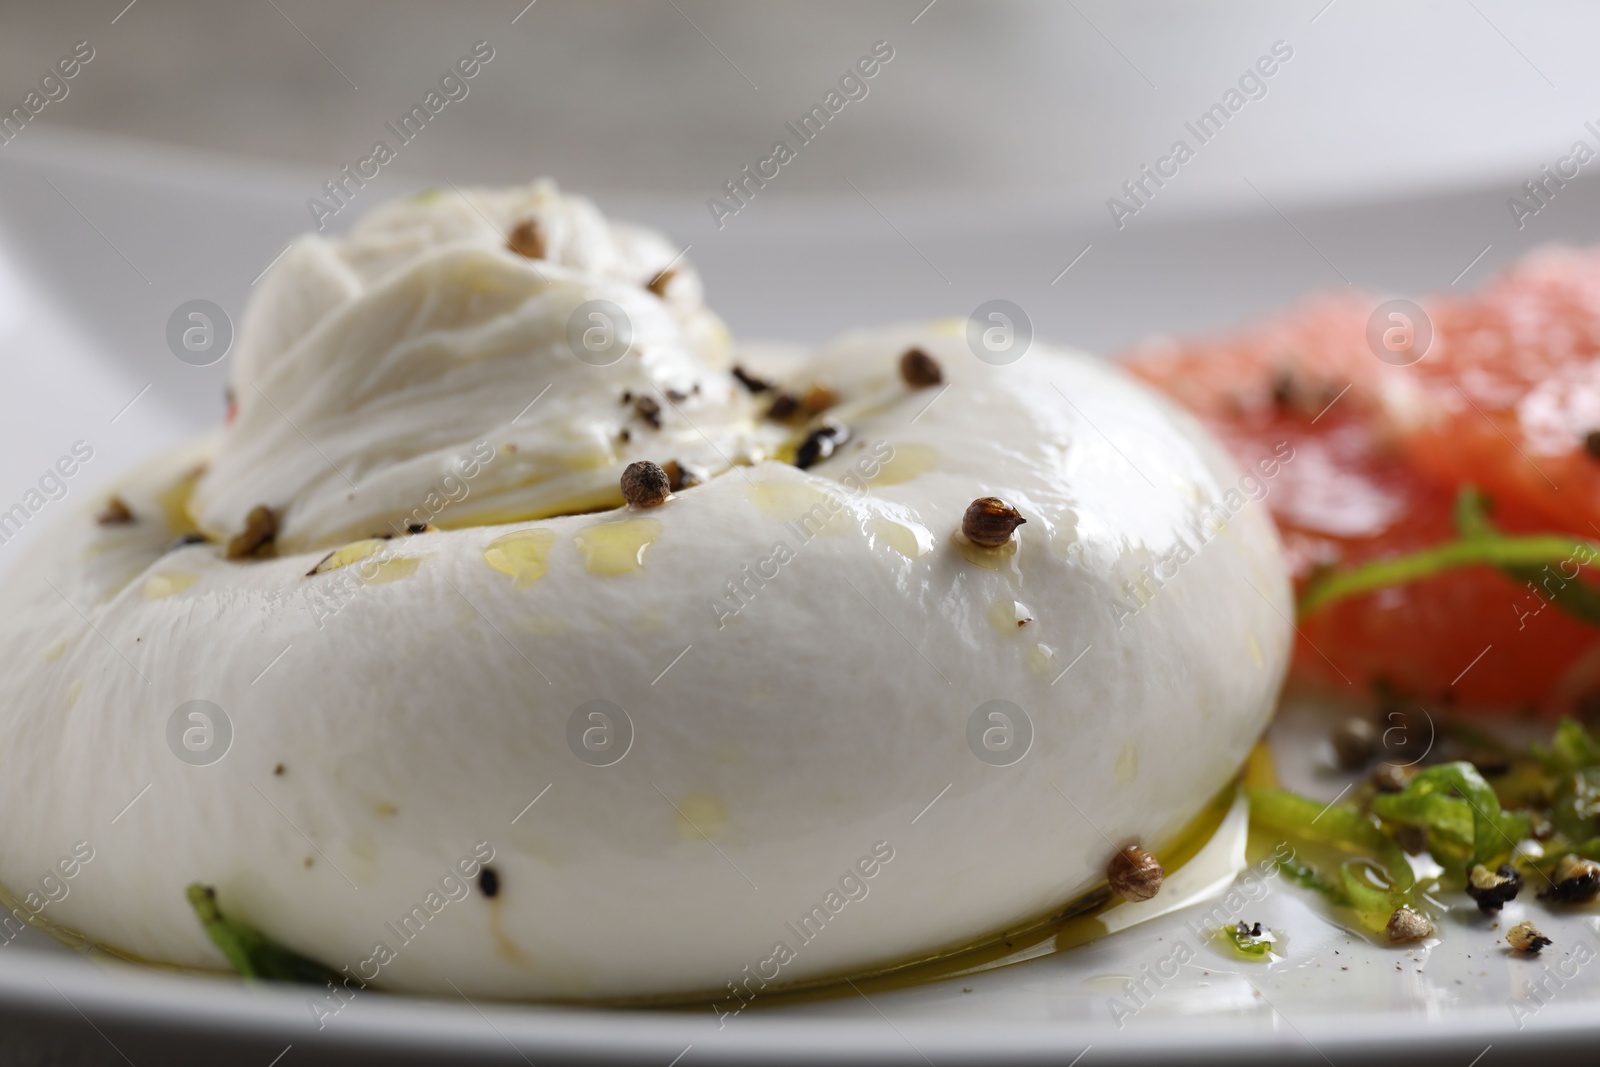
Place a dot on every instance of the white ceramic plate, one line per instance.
(101, 241)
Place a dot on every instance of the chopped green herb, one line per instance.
(1250, 940)
(1524, 558)
(250, 952)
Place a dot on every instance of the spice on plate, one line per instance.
(645, 485)
(920, 370)
(990, 521)
(1390, 777)
(1525, 937)
(489, 882)
(527, 239)
(260, 530)
(1135, 874)
(1575, 881)
(1495, 889)
(116, 513)
(1355, 742)
(1408, 924)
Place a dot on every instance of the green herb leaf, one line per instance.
(1571, 749)
(250, 952)
(1524, 558)
(1461, 813)
(1349, 831)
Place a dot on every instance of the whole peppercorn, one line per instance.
(1493, 890)
(989, 521)
(645, 485)
(920, 370)
(1135, 874)
(1525, 937)
(527, 239)
(1408, 924)
(1355, 742)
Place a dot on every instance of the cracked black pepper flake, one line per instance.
(683, 475)
(1408, 924)
(1591, 443)
(784, 406)
(750, 381)
(677, 396)
(417, 527)
(989, 522)
(1135, 874)
(1525, 937)
(260, 530)
(920, 370)
(278, 769)
(645, 485)
(658, 285)
(1493, 890)
(115, 513)
(648, 410)
(820, 444)
(489, 882)
(1575, 881)
(527, 239)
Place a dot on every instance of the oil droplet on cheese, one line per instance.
(991, 559)
(522, 555)
(390, 570)
(354, 552)
(912, 540)
(1009, 616)
(793, 499)
(701, 814)
(72, 692)
(1255, 650)
(54, 652)
(907, 462)
(1127, 767)
(611, 548)
(1042, 659)
(163, 584)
